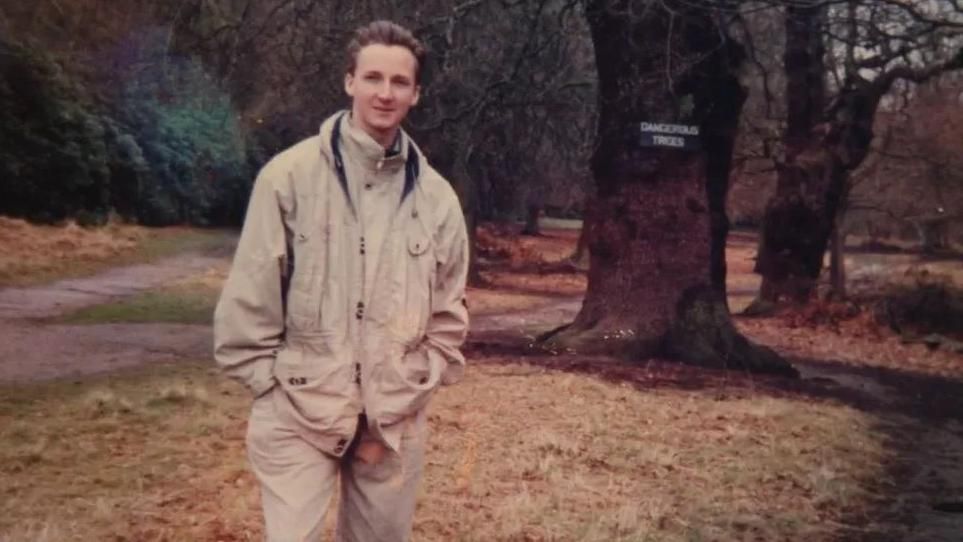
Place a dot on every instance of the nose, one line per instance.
(384, 91)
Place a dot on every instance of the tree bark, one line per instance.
(799, 217)
(532, 212)
(837, 264)
(656, 233)
(580, 258)
(468, 194)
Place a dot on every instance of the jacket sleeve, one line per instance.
(448, 323)
(249, 318)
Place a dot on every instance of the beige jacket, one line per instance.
(295, 311)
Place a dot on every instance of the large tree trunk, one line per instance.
(657, 228)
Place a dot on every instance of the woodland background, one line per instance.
(162, 112)
(804, 263)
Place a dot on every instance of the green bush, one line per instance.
(161, 144)
(53, 154)
(184, 158)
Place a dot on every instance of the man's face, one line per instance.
(382, 89)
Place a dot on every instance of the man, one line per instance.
(344, 309)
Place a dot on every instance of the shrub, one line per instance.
(181, 150)
(927, 303)
(161, 143)
(53, 156)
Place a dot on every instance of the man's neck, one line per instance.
(385, 139)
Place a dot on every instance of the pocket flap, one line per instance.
(292, 371)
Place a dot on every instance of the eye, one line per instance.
(372, 77)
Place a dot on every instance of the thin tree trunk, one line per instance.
(468, 193)
(532, 213)
(657, 232)
(837, 264)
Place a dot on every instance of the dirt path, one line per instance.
(525, 323)
(31, 349)
(66, 295)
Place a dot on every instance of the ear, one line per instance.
(417, 96)
(349, 84)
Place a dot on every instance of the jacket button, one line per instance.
(293, 381)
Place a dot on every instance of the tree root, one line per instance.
(702, 334)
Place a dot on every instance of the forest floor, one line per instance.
(114, 425)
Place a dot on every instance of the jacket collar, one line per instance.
(366, 152)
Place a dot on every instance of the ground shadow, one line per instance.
(927, 401)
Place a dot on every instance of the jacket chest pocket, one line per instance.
(420, 277)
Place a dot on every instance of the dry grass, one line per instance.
(554, 456)
(120, 458)
(32, 254)
(517, 453)
(857, 342)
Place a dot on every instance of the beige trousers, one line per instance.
(377, 501)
